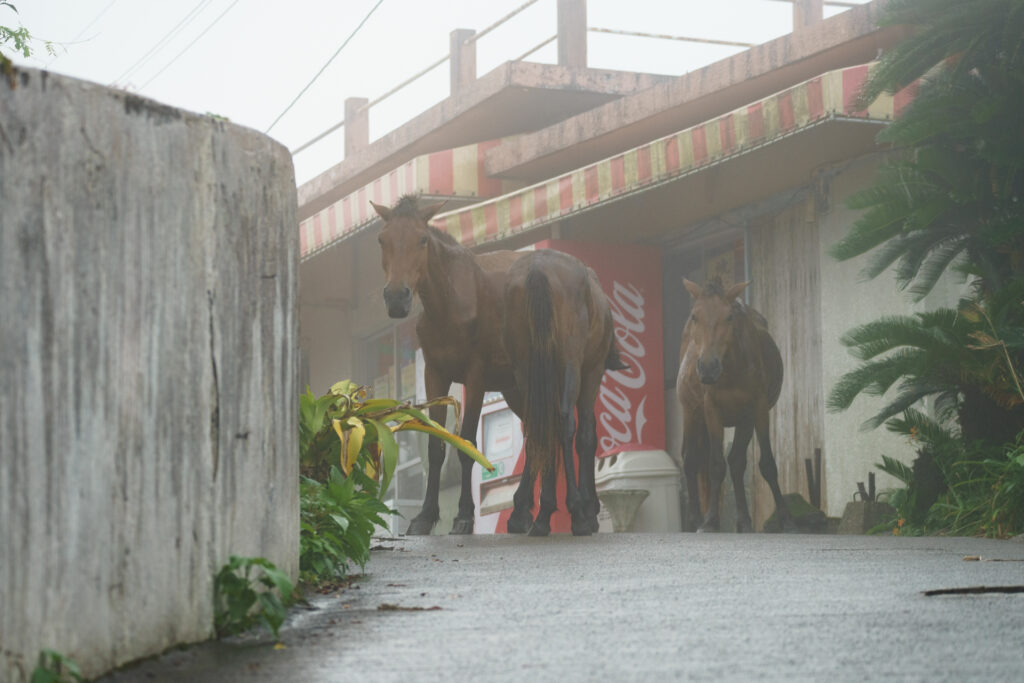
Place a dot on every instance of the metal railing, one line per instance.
(593, 29)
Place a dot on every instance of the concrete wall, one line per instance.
(786, 288)
(849, 452)
(148, 265)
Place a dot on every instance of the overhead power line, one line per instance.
(324, 67)
(189, 46)
(185, 21)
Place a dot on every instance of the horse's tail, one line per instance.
(543, 417)
(612, 360)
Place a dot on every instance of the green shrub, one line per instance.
(337, 521)
(53, 667)
(986, 494)
(348, 455)
(241, 599)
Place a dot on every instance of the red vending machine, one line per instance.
(630, 408)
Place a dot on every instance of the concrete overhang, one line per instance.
(846, 39)
(513, 98)
(690, 176)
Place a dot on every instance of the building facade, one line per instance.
(739, 170)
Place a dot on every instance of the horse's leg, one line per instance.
(522, 501)
(586, 443)
(737, 467)
(768, 469)
(694, 456)
(463, 523)
(716, 468)
(521, 519)
(575, 499)
(423, 523)
(548, 502)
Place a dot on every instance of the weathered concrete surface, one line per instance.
(846, 39)
(148, 265)
(512, 98)
(645, 607)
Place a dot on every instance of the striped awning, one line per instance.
(455, 172)
(826, 97)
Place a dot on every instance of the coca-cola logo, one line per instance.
(621, 423)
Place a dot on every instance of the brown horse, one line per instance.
(560, 338)
(730, 375)
(459, 331)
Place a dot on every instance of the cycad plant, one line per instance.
(951, 197)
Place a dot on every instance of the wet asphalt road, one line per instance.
(644, 607)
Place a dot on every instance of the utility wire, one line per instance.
(186, 20)
(95, 19)
(187, 47)
(82, 32)
(322, 69)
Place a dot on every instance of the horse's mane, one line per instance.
(714, 286)
(408, 205)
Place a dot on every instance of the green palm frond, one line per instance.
(895, 468)
(978, 32)
(912, 391)
(918, 425)
(932, 330)
(934, 265)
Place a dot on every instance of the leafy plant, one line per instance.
(365, 428)
(349, 453)
(337, 521)
(53, 667)
(951, 198)
(986, 494)
(242, 599)
(20, 39)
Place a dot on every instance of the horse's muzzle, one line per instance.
(709, 372)
(398, 301)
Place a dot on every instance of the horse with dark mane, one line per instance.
(560, 339)
(730, 375)
(459, 331)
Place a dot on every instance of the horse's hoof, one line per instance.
(462, 527)
(790, 527)
(518, 525)
(744, 527)
(420, 526)
(581, 529)
(594, 525)
(540, 529)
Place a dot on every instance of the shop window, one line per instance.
(391, 361)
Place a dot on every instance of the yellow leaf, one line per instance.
(280, 646)
(971, 312)
(457, 441)
(343, 435)
(355, 443)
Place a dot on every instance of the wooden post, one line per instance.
(357, 125)
(461, 59)
(806, 13)
(572, 33)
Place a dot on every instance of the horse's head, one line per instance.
(711, 326)
(404, 248)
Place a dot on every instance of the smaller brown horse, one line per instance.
(730, 375)
(459, 331)
(560, 339)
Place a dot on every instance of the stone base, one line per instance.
(860, 516)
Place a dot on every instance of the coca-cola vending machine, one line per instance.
(630, 408)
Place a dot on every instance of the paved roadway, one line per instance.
(645, 607)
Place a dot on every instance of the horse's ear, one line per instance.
(427, 212)
(693, 288)
(382, 211)
(736, 290)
